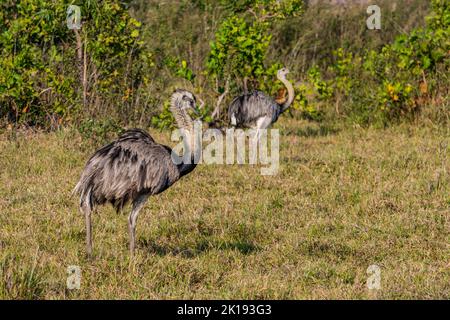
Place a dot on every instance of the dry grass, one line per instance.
(341, 202)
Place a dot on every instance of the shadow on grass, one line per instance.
(319, 131)
(330, 249)
(198, 248)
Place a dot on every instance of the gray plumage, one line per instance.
(245, 110)
(132, 168)
(134, 164)
(256, 109)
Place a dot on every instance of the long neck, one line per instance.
(184, 121)
(290, 90)
(182, 118)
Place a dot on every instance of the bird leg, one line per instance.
(132, 218)
(87, 215)
(261, 124)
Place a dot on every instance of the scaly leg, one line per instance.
(87, 216)
(132, 218)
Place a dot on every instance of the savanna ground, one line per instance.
(344, 199)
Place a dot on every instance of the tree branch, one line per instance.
(216, 111)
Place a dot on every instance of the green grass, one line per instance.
(342, 200)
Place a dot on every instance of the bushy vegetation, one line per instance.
(121, 67)
(50, 73)
(237, 56)
(396, 81)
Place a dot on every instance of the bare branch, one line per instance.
(216, 111)
(202, 103)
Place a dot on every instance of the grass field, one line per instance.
(342, 201)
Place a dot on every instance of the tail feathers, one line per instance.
(84, 189)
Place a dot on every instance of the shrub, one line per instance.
(393, 83)
(40, 67)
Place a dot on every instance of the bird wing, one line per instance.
(246, 109)
(136, 134)
(148, 164)
(131, 165)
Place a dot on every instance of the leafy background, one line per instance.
(134, 53)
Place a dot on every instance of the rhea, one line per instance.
(134, 167)
(257, 110)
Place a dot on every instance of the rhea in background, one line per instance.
(257, 110)
(134, 167)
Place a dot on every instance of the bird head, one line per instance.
(282, 72)
(183, 100)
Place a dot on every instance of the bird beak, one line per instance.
(195, 111)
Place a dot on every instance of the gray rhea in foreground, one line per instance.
(257, 110)
(134, 167)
